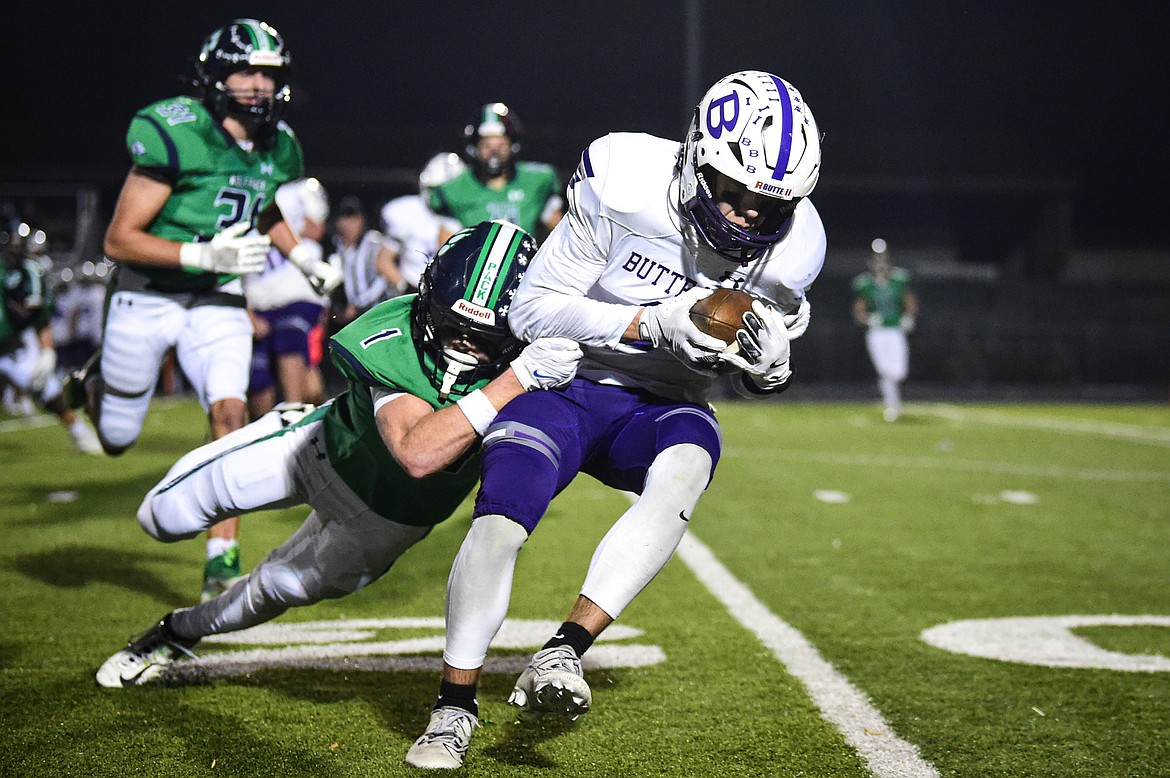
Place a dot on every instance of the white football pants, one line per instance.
(18, 365)
(213, 345)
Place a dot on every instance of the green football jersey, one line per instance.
(215, 181)
(884, 298)
(28, 302)
(377, 351)
(521, 201)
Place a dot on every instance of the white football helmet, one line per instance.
(755, 129)
(439, 170)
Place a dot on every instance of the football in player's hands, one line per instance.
(720, 314)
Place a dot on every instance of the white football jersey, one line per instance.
(412, 230)
(624, 244)
(281, 282)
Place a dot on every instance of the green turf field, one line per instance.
(784, 639)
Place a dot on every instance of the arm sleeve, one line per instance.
(553, 297)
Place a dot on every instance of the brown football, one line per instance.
(720, 314)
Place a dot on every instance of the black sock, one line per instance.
(459, 695)
(572, 635)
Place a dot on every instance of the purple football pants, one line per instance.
(541, 440)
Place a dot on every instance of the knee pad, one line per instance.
(279, 583)
(521, 468)
(178, 523)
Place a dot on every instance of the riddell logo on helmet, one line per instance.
(772, 189)
(473, 311)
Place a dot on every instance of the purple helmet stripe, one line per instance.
(786, 130)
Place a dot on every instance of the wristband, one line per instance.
(479, 411)
(191, 255)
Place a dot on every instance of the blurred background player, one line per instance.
(287, 312)
(370, 272)
(496, 184)
(410, 228)
(77, 322)
(887, 307)
(202, 169)
(426, 374)
(28, 360)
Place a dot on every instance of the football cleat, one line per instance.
(76, 389)
(144, 659)
(444, 745)
(552, 683)
(219, 573)
(84, 438)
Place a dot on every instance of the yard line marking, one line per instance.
(967, 465)
(847, 708)
(1157, 436)
(27, 423)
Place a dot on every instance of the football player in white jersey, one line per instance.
(287, 312)
(652, 227)
(410, 228)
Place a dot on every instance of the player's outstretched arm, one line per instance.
(424, 441)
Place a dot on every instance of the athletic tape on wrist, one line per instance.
(479, 411)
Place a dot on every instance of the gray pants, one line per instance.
(341, 547)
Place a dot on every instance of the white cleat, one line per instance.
(144, 659)
(85, 439)
(552, 683)
(444, 745)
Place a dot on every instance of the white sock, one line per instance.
(217, 546)
(480, 587)
(644, 538)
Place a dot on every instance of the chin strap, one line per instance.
(458, 363)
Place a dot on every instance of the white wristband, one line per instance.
(479, 411)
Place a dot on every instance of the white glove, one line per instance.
(43, 368)
(321, 275)
(873, 320)
(906, 324)
(797, 321)
(228, 252)
(546, 363)
(764, 350)
(669, 325)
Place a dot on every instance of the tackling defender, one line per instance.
(204, 171)
(652, 227)
(391, 457)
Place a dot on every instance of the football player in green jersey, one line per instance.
(496, 185)
(392, 456)
(28, 359)
(887, 307)
(205, 172)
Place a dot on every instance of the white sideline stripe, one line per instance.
(1158, 436)
(847, 708)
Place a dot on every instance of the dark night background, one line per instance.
(913, 96)
(1014, 154)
